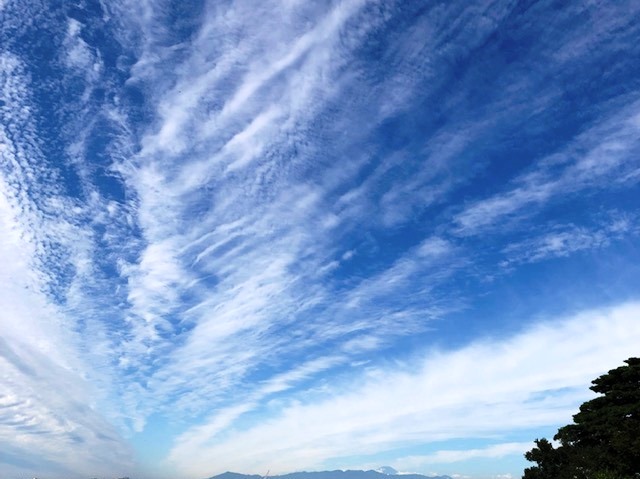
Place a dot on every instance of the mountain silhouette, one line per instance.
(338, 474)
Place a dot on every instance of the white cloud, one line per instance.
(597, 156)
(452, 456)
(211, 277)
(564, 240)
(226, 219)
(50, 393)
(533, 379)
(47, 403)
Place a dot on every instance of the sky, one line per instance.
(307, 235)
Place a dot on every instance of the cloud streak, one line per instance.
(599, 155)
(485, 389)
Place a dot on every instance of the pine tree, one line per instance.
(604, 440)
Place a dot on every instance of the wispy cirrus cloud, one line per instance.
(275, 221)
(227, 206)
(565, 240)
(596, 157)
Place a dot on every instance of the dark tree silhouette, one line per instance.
(604, 440)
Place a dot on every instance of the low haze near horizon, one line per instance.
(308, 235)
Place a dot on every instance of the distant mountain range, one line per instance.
(381, 473)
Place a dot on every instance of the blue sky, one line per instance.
(287, 235)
